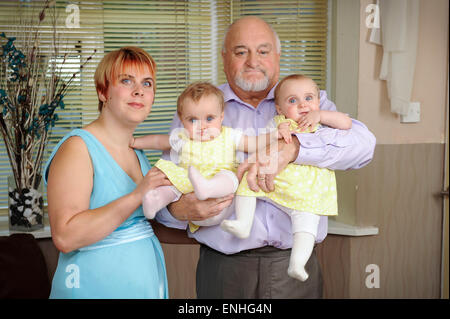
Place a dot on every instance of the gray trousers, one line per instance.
(254, 274)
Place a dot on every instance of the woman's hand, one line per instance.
(154, 178)
(189, 207)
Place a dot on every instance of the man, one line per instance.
(256, 267)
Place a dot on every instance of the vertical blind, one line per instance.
(185, 39)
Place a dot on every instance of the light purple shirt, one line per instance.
(327, 147)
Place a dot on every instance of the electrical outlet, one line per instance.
(413, 115)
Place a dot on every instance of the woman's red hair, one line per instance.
(114, 63)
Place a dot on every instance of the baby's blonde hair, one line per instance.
(196, 91)
(293, 77)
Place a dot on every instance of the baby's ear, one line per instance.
(278, 109)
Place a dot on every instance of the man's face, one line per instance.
(251, 61)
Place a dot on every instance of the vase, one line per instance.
(25, 207)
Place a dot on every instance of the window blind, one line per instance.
(184, 38)
(177, 34)
(76, 44)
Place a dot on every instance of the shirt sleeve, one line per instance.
(236, 136)
(336, 149)
(165, 217)
(176, 142)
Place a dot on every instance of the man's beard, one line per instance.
(252, 86)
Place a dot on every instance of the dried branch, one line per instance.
(32, 88)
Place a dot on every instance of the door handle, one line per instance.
(444, 192)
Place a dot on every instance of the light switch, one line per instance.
(413, 115)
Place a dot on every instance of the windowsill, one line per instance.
(334, 228)
(41, 233)
(337, 228)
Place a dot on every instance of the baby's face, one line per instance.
(297, 97)
(202, 119)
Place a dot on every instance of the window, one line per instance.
(184, 38)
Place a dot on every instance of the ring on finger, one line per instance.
(262, 177)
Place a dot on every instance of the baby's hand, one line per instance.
(310, 118)
(284, 132)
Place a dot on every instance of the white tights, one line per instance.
(304, 230)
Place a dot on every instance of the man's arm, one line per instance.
(336, 149)
(326, 148)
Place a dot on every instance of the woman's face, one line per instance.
(130, 97)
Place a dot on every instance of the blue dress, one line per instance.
(128, 263)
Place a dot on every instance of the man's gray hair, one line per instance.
(277, 39)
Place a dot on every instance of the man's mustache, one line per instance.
(254, 69)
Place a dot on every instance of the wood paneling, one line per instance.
(334, 259)
(399, 193)
(181, 264)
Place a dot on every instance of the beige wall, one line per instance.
(430, 81)
(399, 190)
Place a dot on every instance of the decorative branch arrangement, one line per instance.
(32, 87)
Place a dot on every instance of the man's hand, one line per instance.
(189, 207)
(264, 167)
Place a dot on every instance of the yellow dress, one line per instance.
(208, 157)
(300, 187)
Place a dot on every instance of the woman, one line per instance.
(95, 185)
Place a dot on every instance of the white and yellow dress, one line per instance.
(302, 188)
(208, 157)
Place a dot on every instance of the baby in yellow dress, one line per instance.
(302, 191)
(203, 153)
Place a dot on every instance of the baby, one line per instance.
(304, 192)
(203, 154)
